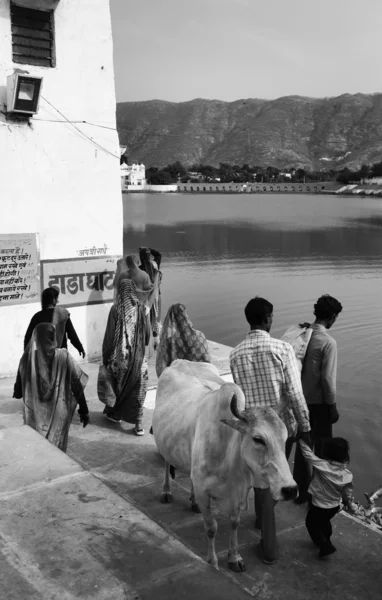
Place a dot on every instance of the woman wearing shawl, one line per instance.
(51, 385)
(127, 268)
(123, 353)
(155, 275)
(179, 339)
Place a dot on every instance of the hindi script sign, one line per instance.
(80, 280)
(19, 260)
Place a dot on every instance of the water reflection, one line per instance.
(212, 241)
(220, 251)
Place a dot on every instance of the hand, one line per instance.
(85, 419)
(351, 508)
(305, 437)
(304, 325)
(334, 415)
(82, 353)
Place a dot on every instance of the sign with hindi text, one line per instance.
(80, 281)
(19, 260)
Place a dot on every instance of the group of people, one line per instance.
(50, 381)
(301, 367)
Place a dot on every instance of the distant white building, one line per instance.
(134, 174)
(374, 181)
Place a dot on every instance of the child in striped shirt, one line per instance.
(331, 481)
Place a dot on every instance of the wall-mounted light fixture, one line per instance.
(23, 93)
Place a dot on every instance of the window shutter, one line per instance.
(32, 36)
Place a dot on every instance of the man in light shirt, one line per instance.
(266, 370)
(318, 377)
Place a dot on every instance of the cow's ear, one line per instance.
(235, 424)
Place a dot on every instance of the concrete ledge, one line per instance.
(90, 525)
(76, 538)
(28, 460)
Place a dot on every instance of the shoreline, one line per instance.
(236, 193)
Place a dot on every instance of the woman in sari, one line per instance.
(155, 275)
(59, 317)
(123, 353)
(127, 268)
(51, 385)
(179, 339)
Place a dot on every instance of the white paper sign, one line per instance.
(19, 262)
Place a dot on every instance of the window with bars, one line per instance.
(32, 36)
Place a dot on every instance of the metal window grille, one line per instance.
(32, 36)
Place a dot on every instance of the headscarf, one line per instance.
(39, 362)
(51, 384)
(179, 339)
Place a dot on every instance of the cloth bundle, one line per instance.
(298, 336)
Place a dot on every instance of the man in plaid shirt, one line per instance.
(266, 370)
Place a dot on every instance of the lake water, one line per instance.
(221, 250)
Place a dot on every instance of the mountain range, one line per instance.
(292, 131)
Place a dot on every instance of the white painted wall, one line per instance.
(171, 187)
(374, 181)
(54, 181)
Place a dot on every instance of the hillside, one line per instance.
(292, 131)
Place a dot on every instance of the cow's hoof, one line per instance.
(237, 567)
(213, 564)
(166, 497)
(195, 508)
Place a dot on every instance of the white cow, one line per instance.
(225, 457)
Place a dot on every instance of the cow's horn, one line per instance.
(234, 409)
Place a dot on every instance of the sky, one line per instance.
(178, 50)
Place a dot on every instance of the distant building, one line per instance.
(374, 181)
(134, 174)
(195, 175)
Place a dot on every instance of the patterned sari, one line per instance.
(124, 354)
(51, 385)
(179, 339)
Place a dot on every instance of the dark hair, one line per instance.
(337, 449)
(48, 296)
(327, 307)
(258, 310)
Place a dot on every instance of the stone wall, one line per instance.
(315, 187)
